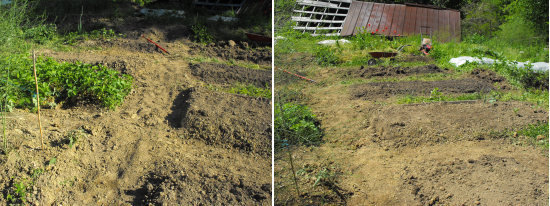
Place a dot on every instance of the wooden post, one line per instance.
(37, 98)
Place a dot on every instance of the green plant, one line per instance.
(74, 136)
(21, 190)
(325, 176)
(66, 81)
(201, 33)
(516, 111)
(37, 172)
(80, 22)
(296, 124)
(251, 90)
(52, 161)
(327, 56)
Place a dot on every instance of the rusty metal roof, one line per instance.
(402, 20)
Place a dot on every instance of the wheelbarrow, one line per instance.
(377, 55)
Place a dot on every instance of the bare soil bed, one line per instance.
(480, 81)
(172, 142)
(447, 153)
(223, 74)
(368, 72)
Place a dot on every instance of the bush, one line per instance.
(327, 56)
(295, 124)
(61, 81)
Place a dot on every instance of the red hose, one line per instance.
(297, 75)
(155, 44)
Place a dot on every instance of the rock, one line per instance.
(442, 188)
(477, 203)
(540, 137)
(232, 43)
(212, 44)
(221, 43)
(245, 44)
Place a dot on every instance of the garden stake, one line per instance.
(37, 97)
(297, 75)
(156, 44)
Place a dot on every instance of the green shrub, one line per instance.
(62, 81)
(327, 56)
(201, 33)
(295, 124)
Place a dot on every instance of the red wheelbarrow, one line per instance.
(377, 55)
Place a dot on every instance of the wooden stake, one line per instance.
(37, 98)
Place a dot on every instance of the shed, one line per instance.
(378, 18)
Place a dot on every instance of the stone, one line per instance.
(232, 43)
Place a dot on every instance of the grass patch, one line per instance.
(240, 88)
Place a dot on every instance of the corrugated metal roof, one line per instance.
(402, 20)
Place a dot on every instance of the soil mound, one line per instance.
(213, 73)
(172, 189)
(466, 182)
(385, 90)
(229, 120)
(227, 52)
(397, 126)
(414, 58)
(487, 75)
(368, 72)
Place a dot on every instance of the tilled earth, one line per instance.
(172, 142)
(441, 153)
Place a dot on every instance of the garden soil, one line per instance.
(172, 141)
(442, 153)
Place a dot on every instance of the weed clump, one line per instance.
(295, 124)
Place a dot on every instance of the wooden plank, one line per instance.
(372, 16)
(430, 21)
(383, 19)
(389, 18)
(406, 20)
(458, 28)
(452, 23)
(400, 25)
(351, 19)
(442, 26)
(360, 18)
(435, 21)
(412, 21)
(377, 18)
(448, 27)
(367, 9)
(398, 16)
(419, 20)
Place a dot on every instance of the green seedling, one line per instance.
(74, 136)
(52, 161)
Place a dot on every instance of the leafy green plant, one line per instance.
(201, 33)
(516, 111)
(327, 56)
(74, 136)
(325, 176)
(296, 124)
(65, 81)
(21, 190)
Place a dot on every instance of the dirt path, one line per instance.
(171, 142)
(419, 154)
